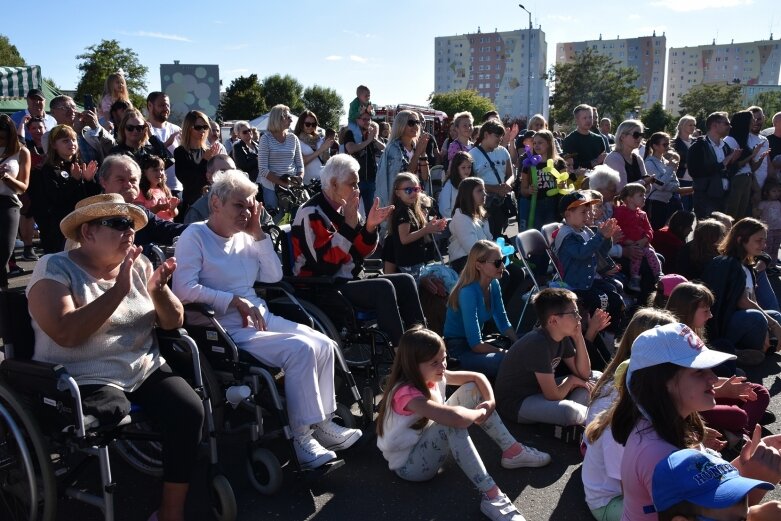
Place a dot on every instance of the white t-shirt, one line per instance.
(313, 168)
(482, 167)
(602, 464)
(761, 172)
(13, 171)
(749, 283)
(745, 169)
(163, 133)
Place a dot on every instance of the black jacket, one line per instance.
(158, 231)
(246, 158)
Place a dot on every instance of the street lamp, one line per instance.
(529, 65)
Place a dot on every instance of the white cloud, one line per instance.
(237, 71)
(161, 36)
(633, 17)
(219, 22)
(359, 59)
(334, 58)
(699, 5)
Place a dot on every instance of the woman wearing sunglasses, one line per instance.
(406, 152)
(192, 155)
(93, 310)
(245, 150)
(61, 182)
(314, 149)
(625, 158)
(475, 299)
(134, 139)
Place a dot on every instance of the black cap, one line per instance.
(35, 93)
(573, 200)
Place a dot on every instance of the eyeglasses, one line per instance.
(67, 108)
(411, 190)
(496, 262)
(120, 224)
(135, 128)
(287, 116)
(246, 131)
(574, 313)
(201, 128)
(310, 124)
(636, 134)
(413, 123)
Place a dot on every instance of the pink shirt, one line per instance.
(643, 450)
(405, 394)
(157, 197)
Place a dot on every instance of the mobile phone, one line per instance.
(89, 103)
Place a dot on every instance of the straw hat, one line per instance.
(97, 207)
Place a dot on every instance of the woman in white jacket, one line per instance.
(469, 223)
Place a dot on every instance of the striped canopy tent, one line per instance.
(14, 84)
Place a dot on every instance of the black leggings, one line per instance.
(173, 406)
(9, 223)
(394, 297)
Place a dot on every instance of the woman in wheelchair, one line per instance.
(93, 310)
(220, 260)
(330, 238)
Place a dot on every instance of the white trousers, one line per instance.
(307, 358)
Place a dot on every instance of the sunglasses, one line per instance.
(411, 190)
(636, 134)
(413, 123)
(201, 128)
(120, 224)
(247, 131)
(498, 263)
(135, 128)
(310, 124)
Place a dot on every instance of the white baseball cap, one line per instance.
(675, 344)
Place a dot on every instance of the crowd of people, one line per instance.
(663, 244)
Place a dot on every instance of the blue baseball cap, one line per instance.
(699, 478)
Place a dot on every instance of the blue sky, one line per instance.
(388, 46)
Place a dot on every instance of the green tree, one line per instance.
(770, 103)
(243, 99)
(9, 54)
(656, 119)
(325, 103)
(459, 101)
(285, 90)
(105, 58)
(597, 80)
(707, 98)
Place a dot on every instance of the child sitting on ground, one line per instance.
(637, 231)
(417, 428)
(526, 388)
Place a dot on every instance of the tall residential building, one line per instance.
(645, 54)
(507, 67)
(751, 63)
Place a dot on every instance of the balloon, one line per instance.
(563, 186)
(505, 249)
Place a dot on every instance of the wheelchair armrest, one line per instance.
(310, 281)
(170, 334)
(200, 307)
(13, 369)
(282, 284)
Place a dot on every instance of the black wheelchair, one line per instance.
(46, 441)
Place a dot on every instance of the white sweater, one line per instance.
(465, 232)
(212, 269)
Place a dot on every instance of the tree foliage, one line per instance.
(325, 103)
(105, 58)
(461, 100)
(770, 103)
(596, 80)
(9, 54)
(243, 99)
(285, 90)
(656, 119)
(708, 98)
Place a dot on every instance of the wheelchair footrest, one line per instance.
(322, 471)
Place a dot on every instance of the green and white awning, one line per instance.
(16, 81)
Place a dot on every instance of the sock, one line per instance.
(515, 449)
(493, 492)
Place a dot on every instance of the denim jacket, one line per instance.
(579, 256)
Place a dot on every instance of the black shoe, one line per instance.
(767, 418)
(16, 271)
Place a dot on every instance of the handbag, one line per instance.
(509, 207)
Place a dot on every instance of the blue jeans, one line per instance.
(269, 198)
(486, 363)
(766, 297)
(748, 327)
(367, 189)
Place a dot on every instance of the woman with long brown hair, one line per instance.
(192, 155)
(14, 177)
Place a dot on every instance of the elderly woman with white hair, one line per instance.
(625, 158)
(280, 160)
(219, 262)
(245, 150)
(331, 238)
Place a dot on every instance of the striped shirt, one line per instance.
(279, 158)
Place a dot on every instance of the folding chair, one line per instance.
(531, 247)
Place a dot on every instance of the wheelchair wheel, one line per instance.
(28, 490)
(344, 416)
(264, 471)
(144, 456)
(223, 500)
(323, 324)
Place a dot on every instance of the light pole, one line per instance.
(529, 65)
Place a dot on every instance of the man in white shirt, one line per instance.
(754, 139)
(158, 108)
(36, 107)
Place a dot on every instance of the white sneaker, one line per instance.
(528, 457)
(335, 437)
(500, 509)
(311, 454)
